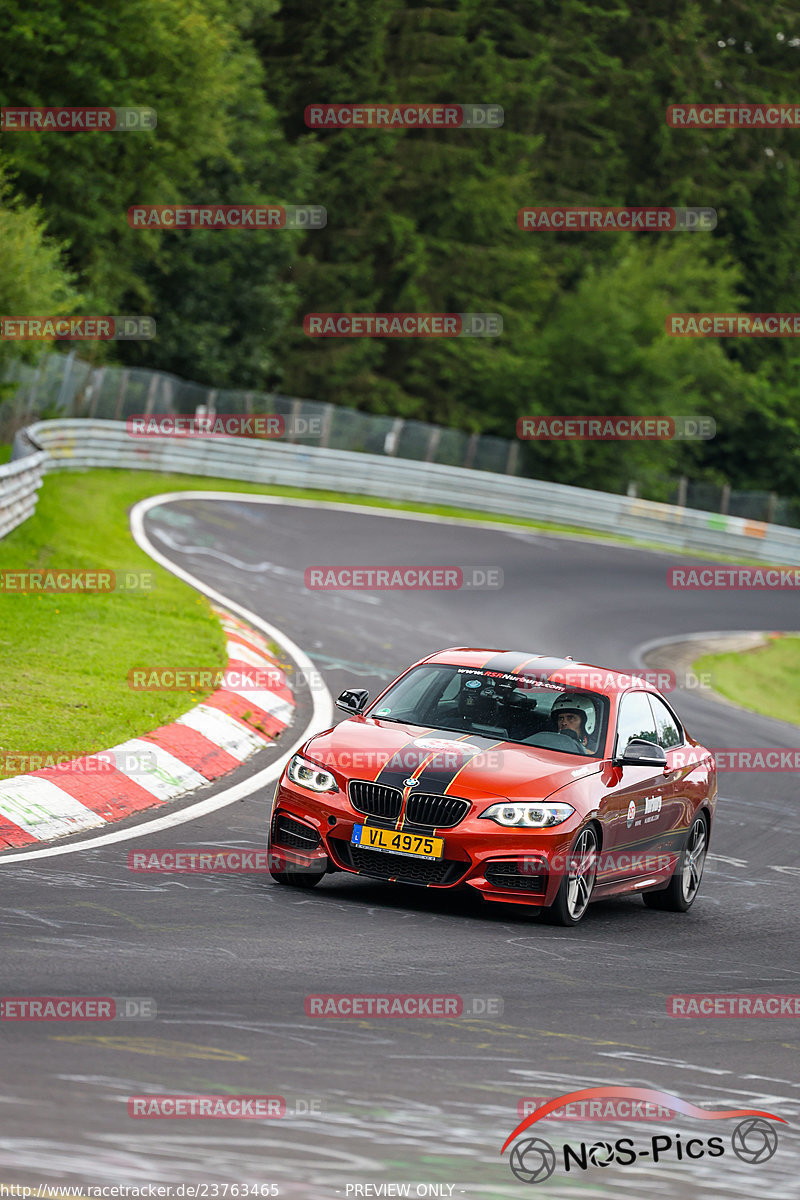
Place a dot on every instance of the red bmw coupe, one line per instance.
(534, 780)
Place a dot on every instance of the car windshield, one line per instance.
(498, 705)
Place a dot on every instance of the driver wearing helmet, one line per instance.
(574, 716)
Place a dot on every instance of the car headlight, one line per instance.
(530, 816)
(309, 775)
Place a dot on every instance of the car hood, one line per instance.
(465, 765)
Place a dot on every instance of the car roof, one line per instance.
(604, 680)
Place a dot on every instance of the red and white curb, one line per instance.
(205, 743)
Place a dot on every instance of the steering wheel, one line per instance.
(550, 740)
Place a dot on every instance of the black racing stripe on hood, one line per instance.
(510, 661)
(445, 765)
(403, 761)
(542, 668)
(409, 758)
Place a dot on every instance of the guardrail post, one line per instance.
(472, 449)
(295, 413)
(151, 395)
(392, 439)
(62, 391)
(725, 499)
(513, 458)
(35, 383)
(95, 388)
(123, 383)
(683, 487)
(433, 443)
(327, 418)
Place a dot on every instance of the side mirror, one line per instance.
(641, 753)
(353, 701)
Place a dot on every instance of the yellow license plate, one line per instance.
(397, 843)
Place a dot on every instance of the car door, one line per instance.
(680, 788)
(633, 798)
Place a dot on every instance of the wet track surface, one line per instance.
(229, 959)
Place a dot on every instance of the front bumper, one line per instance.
(516, 866)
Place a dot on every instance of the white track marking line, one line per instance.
(321, 700)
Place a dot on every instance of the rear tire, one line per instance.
(682, 891)
(575, 890)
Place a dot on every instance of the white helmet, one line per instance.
(573, 702)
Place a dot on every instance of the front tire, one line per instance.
(297, 877)
(682, 891)
(575, 890)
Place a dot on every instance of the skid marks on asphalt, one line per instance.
(160, 1047)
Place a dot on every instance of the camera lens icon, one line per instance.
(754, 1140)
(533, 1161)
(601, 1154)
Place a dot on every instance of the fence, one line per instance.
(72, 444)
(66, 386)
(62, 385)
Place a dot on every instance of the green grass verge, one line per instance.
(66, 656)
(766, 679)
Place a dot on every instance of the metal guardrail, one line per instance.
(20, 481)
(83, 444)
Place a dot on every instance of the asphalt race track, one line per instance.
(230, 958)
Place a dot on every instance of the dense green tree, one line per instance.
(218, 297)
(426, 220)
(33, 278)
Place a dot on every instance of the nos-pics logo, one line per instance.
(533, 1160)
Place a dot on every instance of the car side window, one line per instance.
(635, 720)
(669, 732)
